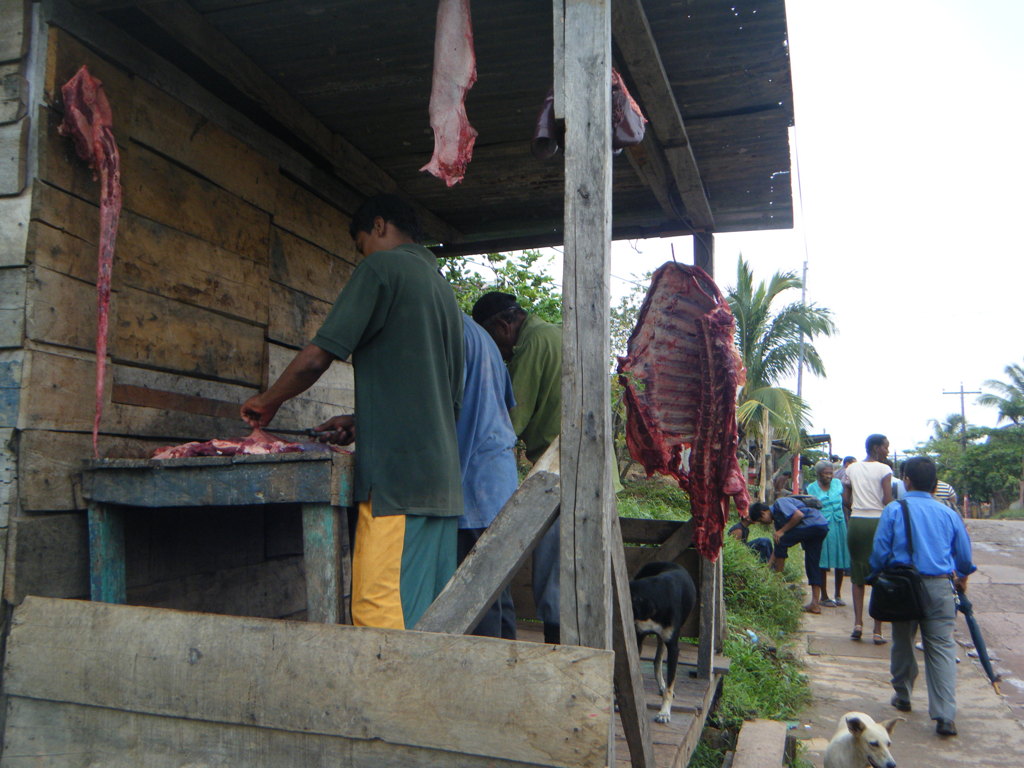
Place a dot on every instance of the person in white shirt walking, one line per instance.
(870, 489)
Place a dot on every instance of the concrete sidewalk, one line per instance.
(854, 676)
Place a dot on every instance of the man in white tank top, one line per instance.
(870, 489)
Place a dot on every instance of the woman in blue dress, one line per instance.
(834, 553)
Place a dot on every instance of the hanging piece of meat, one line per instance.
(258, 442)
(89, 123)
(454, 75)
(680, 373)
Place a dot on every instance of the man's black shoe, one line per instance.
(945, 727)
(901, 704)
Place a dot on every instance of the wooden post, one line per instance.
(587, 501)
(325, 551)
(106, 554)
(629, 683)
(704, 252)
(708, 616)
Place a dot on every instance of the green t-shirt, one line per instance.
(398, 319)
(536, 370)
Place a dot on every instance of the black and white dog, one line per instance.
(663, 595)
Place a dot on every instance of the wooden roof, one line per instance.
(346, 83)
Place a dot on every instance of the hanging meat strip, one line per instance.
(88, 121)
(454, 75)
(680, 374)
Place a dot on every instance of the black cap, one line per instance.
(491, 304)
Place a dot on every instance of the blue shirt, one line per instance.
(784, 508)
(941, 542)
(484, 430)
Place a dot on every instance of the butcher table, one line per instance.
(320, 482)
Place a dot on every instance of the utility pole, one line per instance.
(963, 413)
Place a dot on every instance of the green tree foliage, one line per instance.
(519, 273)
(1008, 400)
(986, 466)
(770, 339)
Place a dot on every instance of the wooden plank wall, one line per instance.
(224, 267)
(14, 202)
(140, 686)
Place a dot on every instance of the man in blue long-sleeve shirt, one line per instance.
(942, 553)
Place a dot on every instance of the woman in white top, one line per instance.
(870, 489)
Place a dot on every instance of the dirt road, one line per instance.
(997, 591)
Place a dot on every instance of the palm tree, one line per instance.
(771, 343)
(948, 429)
(1009, 405)
(1010, 398)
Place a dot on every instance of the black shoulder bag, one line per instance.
(897, 592)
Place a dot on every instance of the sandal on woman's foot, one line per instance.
(858, 632)
(828, 603)
(879, 640)
(839, 603)
(811, 609)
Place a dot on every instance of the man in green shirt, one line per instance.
(533, 350)
(398, 320)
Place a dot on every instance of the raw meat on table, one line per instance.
(454, 75)
(88, 121)
(258, 442)
(680, 374)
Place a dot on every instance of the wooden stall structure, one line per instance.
(249, 131)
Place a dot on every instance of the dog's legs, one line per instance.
(668, 690)
(659, 672)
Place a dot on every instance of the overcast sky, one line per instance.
(909, 131)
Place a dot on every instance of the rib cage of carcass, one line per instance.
(680, 374)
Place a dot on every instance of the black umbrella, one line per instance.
(964, 606)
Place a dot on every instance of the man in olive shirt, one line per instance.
(398, 320)
(533, 351)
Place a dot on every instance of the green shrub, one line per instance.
(653, 499)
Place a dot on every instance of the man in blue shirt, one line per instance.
(487, 458)
(796, 523)
(942, 553)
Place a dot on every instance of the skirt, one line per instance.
(834, 551)
(861, 538)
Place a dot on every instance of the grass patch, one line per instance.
(1009, 514)
(653, 499)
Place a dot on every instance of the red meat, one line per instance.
(88, 121)
(680, 374)
(454, 75)
(258, 442)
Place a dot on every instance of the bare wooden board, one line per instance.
(295, 317)
(156, 188)
(61, 310)
(301, 212)
(305, 267)
(176, 130)
(8, 474)
(333, 394)
(156, 332)
(14, 216)
(13, 156)
(49, 556)
(405, 689)
(73, 736)
(12, 364)
(14, 28)
(12, 306)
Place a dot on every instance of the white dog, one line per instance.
(860, 742)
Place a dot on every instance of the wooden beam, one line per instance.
(588, 503)
(654, 92)
(704, 252)
(709, 588)
(629, 684)
(649, 163)
(497, 557)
